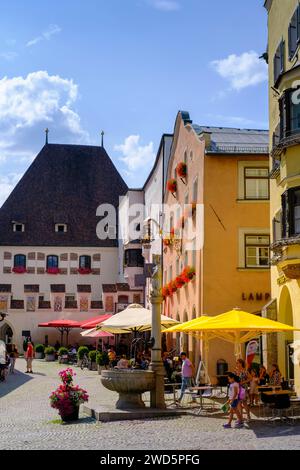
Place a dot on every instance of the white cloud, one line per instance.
(7, 183)
(10, 55)
(27, 106)
(238, 121)
(165, 5)
(242, 71)
(136, 156)
(45, 36)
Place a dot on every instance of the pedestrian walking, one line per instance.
(14, 354)
(29, 356)
(187, 373)
(234, 401)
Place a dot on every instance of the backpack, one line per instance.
(242, 393)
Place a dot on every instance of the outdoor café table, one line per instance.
(279, 392)
(261, 388)
(175, 386)
(202, 388)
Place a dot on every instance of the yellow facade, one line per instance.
(283, 24)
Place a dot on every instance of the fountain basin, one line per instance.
(129, 384)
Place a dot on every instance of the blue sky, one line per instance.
(125, 66)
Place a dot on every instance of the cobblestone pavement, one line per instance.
(27, 422)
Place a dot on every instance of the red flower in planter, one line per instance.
(181, 170)
(172, 186)
(179, 281)
(84, 271)
(172, 233)
(188, 274)
(19, 270)
(53, 270)
(165, 292)
(167, 241)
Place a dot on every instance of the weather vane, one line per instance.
(102, 139)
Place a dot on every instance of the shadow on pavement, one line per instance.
(278, 429)
(13, 382)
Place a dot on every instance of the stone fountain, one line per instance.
(129, 384)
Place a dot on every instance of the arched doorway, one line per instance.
(285, 340)
(6, 333)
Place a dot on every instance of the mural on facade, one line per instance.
(30, 304)
(58, 304)
(84, 304)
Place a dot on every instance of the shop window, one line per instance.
(257, 250)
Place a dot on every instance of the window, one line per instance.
(185, 157)
(177, 267)
(18, 227)
(291, 213)
(20, 261)
(194, 254)
(195, 191)
(60, 228)
(191, 156)
(52, 261)
(294, 33)
(133, 258)
(277, 229)
(137, 227)
(70, 298)
(257, 250)
(85, 262)
(170, 273)
(279, 61)
(256, 183)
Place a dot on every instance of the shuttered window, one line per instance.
(279, 61)
(291, 213)
(294, 33)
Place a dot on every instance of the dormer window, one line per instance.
(17, 227)
(61, 228)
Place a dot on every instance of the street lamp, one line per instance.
(156, 299)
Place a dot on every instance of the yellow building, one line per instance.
(284, 95)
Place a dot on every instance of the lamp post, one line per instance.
(156, 299)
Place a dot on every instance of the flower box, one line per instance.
(19, 270)
(181, 170)
(84, 271)
(52, 270)
(179, 281)
(188, 274)
(172, 186)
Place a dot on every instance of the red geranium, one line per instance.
(188, 274)
(19, 269)
(84, 271)
(167, 241)
(181, 169)
(53, 270)
(179, 281)
(172, 186)
(165, 292)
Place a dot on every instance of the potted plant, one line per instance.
(102, 361)
(53, 270)
(39, 351)
(19, 270)
(67, 398)
(80, 354)
(92, 360)
(84, 271)
(181, 170)
(172, 186)
(63, 356)
(50, 354)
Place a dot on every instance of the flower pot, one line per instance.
(71, 417)
(39, 355)
(50, 358)
(63, 360)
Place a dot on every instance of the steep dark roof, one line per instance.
(64, 184)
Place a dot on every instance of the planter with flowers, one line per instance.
(19, 270)
(181, 171)
(167, 242)
(50, 354)
(165, 292)
(53, 270)
(179, 281)
(172, 186)
(84, 271)
(188, 274)
(67, 398)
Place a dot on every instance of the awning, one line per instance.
(93, 322)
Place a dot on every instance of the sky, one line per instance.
(126, 67)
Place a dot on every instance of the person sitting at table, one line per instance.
(275, 375)
(263, 376)
(122, 363)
